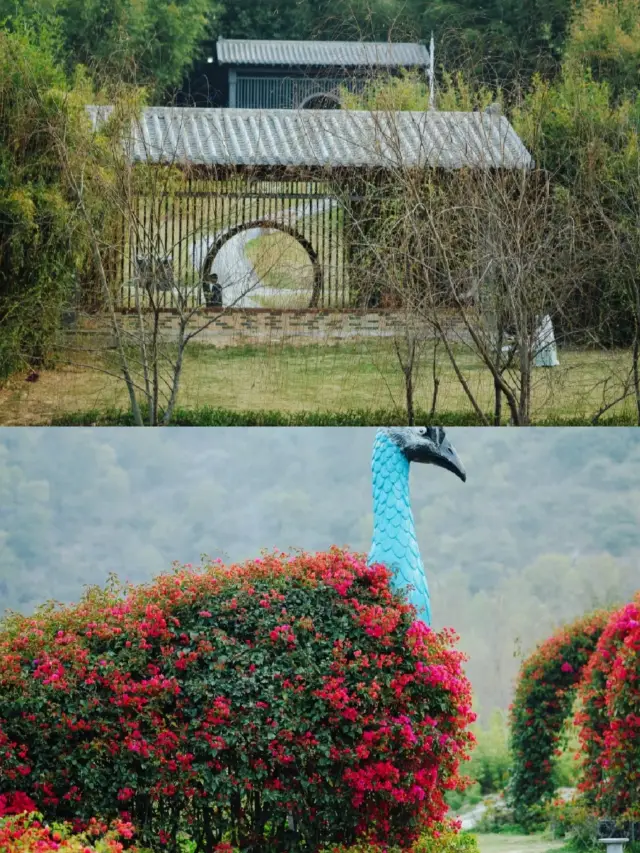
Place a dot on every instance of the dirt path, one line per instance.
(516, 844)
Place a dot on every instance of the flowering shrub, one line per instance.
(610, 717)
(236, 703)
(26, 833)
(543, 701)
(573, 819)
(444, 838)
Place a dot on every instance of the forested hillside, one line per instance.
(545, 528)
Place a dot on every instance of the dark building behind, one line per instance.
(272, 74)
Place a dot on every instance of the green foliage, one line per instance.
(38, 260)
(146, 42)
(500, 41)
(586, 136)
(491, 760)
(459, 800)
(498, 819)
(447, 841)
(605, 36)
(213, 416)
(567, 768)
(210, 416)
(406, 91)
(574, 820)
(269, 19)
(443, 839)
(409, 91)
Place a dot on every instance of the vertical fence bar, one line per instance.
(201, 237)
(169, 245)
(319, 201)
(177, 211)
(122, 264)
(211, 230)
(346, 225)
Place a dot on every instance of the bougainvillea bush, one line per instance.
(543, 701)
(610, 717)
(292, 696)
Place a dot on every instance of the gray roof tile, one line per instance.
(320, 53)
(336, 138)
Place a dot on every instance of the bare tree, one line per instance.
(507, 260)
(148, 246)
(491, 246)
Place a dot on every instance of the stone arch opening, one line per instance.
(321, 101)
(268, 225)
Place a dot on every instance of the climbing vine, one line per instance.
(610, 717)
(543, 701)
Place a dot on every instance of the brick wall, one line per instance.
(238, 326)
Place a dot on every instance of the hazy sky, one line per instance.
(547, 524)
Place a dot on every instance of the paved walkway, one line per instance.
(503, 843)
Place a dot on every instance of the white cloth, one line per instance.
(546, 354)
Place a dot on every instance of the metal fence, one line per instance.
(289, 92)
(242, 242)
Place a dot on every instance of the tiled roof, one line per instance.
(335, 138)
(320, 53)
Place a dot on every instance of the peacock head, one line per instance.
(429, 445)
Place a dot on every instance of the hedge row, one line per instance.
(230, 702)
(209, 417)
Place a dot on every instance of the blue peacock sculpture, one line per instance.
(394, 536)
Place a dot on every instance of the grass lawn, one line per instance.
(281, 262)
(505, 843)
(318, 377)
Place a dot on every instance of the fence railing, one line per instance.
(289, 92)
(274, 244)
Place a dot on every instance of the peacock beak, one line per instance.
(449, 459)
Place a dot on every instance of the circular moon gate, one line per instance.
(232, 232)
(321, 101)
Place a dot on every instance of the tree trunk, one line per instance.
(177, 375)
(408, 386)
(636, 367)
(497, 406)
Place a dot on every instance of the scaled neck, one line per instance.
(395, 544)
